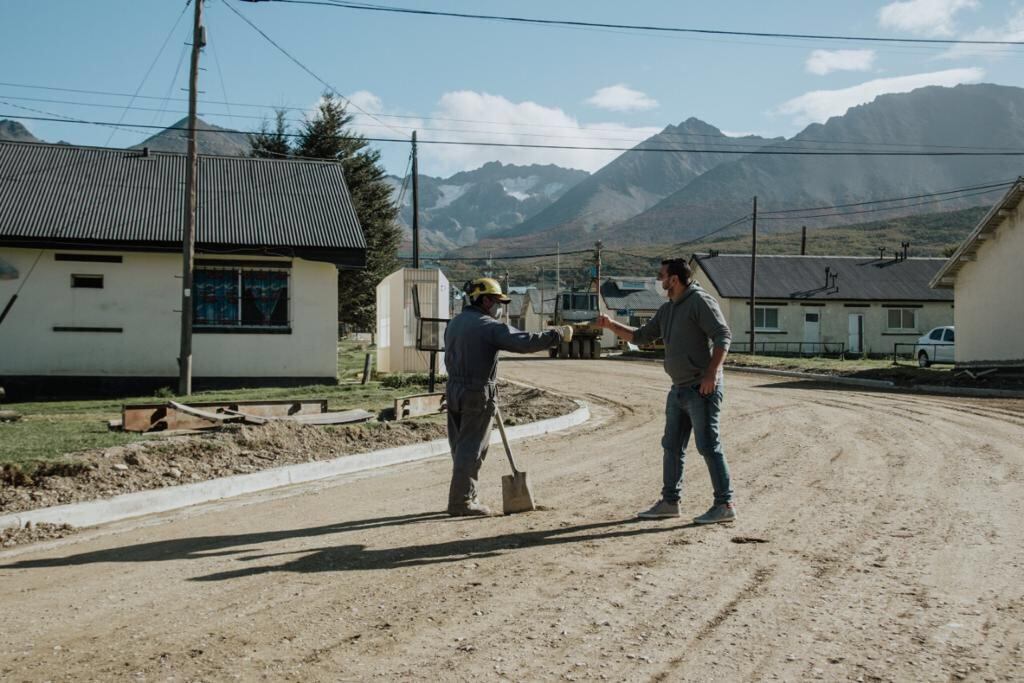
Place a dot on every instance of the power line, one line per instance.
(602, 148)
(884, 208)
(303, 66)
(341, 4)
(145, 77)
(738, 143)
(958, 190)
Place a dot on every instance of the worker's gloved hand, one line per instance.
(565, 332)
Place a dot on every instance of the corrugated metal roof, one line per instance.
(649, 298)
(67, 194)
(969, 247)
(803, 277)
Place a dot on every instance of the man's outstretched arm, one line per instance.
(621, 331)
(508, 338)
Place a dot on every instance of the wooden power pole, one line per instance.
(597, 288)
(753, 275)
(188, 241)
(415, 205)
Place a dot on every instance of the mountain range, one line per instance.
(943, 122)
(471, 205)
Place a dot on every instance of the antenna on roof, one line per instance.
(881, 253)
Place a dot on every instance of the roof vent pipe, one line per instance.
(881, 253)
(145, 152)
(828, 275)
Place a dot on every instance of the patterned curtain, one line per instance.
(215, 299)
(264, 288)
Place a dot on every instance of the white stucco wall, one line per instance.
(989, 295)
(834, 319)
(142, 295)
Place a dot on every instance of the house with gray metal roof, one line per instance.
(815, 304)
(986, 276)
(90, 239)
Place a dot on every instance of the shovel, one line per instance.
(515, 488)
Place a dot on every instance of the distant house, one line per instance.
(92, 241)
(985, 273)
(398, 346)
(827, 303)
(632, 301)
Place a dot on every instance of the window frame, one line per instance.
(240, 326)
(763, 310)
(902, 313)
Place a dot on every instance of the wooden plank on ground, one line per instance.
(145, 417)
(219, 418)
(338, 418)
(418, 405)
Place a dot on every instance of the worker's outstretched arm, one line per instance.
(508, 338)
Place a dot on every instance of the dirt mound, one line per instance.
(233, 450)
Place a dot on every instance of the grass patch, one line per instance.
(50, 430)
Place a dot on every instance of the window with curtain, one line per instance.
(240, 298)
(902, 319)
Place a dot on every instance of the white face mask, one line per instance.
(497, 311)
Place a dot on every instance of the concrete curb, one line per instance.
(972, 392)
(796, 374)
(91, 513)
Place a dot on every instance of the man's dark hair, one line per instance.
(680, 268)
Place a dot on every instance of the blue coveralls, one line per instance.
(472, 342)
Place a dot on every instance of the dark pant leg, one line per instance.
(673, 443)
(704, 411)
(471, 415)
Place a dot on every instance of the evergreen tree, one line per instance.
(272, 144)
(327, 136)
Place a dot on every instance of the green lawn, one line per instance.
(49, 430)
(906, 373)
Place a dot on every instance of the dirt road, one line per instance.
(893, 552)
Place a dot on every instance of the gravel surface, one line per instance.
(878, 539)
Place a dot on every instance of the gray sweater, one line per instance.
(472, 342)
(689, 327)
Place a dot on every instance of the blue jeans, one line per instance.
(687, 411)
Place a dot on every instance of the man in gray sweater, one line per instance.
(696, 339)
(472, 342)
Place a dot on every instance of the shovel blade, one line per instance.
(516, 495)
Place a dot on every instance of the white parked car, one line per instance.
(935, 347)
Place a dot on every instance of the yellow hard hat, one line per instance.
(485, 285)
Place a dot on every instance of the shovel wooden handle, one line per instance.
(504, 439)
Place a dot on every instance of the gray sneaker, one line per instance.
(717, 514)
(661, 510)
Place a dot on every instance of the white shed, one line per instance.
(987, 280)
(396, 317)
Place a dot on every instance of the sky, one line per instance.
(459, 79)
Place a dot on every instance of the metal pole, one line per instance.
(189, 234)
(598, 273)
(558, 264)
(415, 205)
(753, 275)
(506, 294)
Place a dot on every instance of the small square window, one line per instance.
(87, 281)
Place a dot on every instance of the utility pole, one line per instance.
(803, 241)
(415, 205)
(597, 255)
(558, 265)
(188, 240)
(753, 275)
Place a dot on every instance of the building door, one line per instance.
(855, 343)
(812, 331)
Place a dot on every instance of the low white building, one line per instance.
(92, 288)
(986, 276)
(397, 326)
(826, 304)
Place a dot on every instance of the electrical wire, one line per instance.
(302, 66)
(342, 4)
(605, 148)
(765, 214)
(145, 76)
(883, 208)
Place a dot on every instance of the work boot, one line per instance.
(661, 510)
(717, 513)
(474, 508)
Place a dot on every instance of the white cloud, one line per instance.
(924, 17)
(467, 115)
(1012, 30)
(823, 62)
(367, 101)
(620, 97)
(819, 105)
